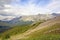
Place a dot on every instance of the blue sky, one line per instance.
(41, 3)
(28, 7)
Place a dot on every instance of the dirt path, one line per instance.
(41, 26)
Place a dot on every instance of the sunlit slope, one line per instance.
(43, 28)
(19, 29)
(43, 31)
(49, 33)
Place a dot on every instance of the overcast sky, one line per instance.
(28, 7)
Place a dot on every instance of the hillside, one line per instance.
(37, 17)
(18, 29)
(48, 30)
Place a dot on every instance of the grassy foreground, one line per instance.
(18, 30)
(45, 34)
(48, 33)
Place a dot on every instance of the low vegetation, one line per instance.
(46, 34)
(18, 30)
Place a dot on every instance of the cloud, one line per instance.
(28, 7)
(54, 6)
(25, 7)
(6, 18)
(4, 4)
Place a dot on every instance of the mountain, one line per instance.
(56, 14)
(24, 20)
(4, 28)
(37, 17)
(30, 18)
(48, 30)
(5, 25)
(41, 29)
(13, 22)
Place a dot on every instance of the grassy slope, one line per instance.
(43, 34)
(18, 30)
(46, 34)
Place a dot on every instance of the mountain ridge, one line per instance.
(40, 27)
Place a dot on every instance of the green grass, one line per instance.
(38, 35)
(18, 30)
(41, 35)
(44, 37)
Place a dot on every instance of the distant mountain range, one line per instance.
(46, 30)
(30, 18)
(13, 22)
(55, 14)
(25, 20)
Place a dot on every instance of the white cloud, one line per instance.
(6, 17)
(31, 8)
(53, 6)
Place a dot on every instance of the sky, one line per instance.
(12, 8)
